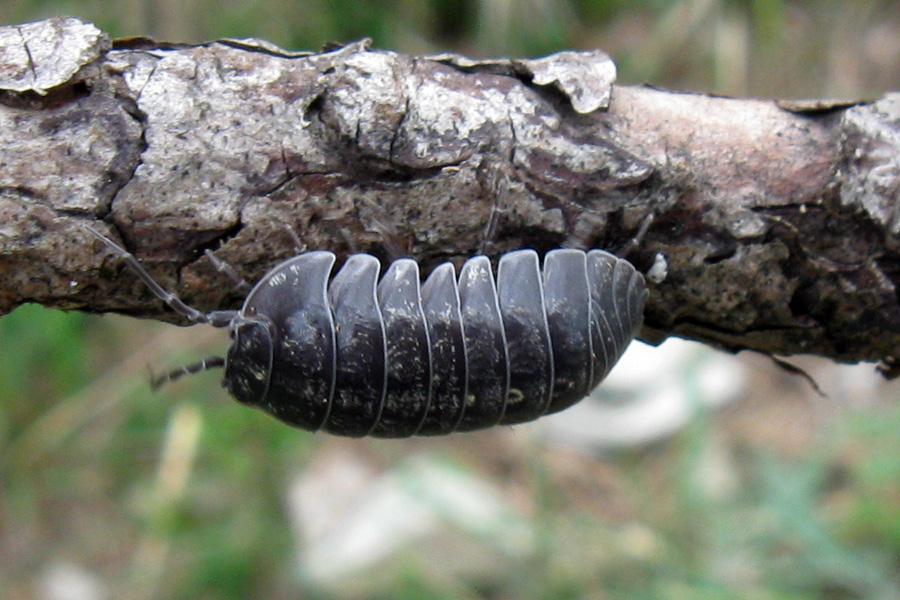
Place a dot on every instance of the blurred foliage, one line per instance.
(182, 494)
(805, 48)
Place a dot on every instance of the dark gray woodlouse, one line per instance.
(354, 356)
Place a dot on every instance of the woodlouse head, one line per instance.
(248, 364)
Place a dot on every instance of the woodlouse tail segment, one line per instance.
(212, 362)
(606, 327)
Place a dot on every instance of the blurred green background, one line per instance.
(110, 491)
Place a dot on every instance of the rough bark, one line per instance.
(778, 223)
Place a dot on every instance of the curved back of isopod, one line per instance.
(454, 354)
(354, 354)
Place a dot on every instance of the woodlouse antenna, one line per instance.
(212, 362)
(216, 318)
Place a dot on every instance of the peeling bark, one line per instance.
(778, 223)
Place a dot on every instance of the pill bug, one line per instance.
(355, 356)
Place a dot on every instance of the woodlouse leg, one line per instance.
(225, 268)
(299, 246)
(635, 241)
(498, 184)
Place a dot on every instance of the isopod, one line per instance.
(355, 356)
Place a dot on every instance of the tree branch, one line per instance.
(778, 224)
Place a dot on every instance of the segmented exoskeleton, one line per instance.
(355, 356)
